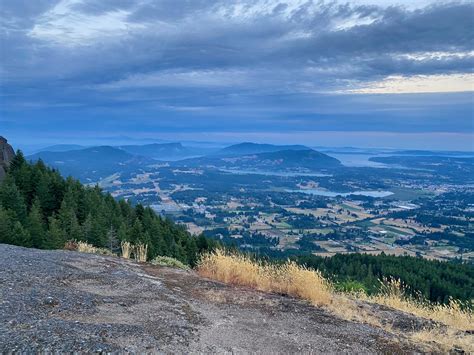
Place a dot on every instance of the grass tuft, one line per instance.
(140, 252)
(84, 247)
(169, 262)
(126, 249)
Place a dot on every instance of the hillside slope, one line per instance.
(283, 160)
(92, 164)
(255, 148)
(67, 301)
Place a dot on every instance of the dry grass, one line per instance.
(126, 249)
(140, 252)
(289, 278)
(453, 320)
(445, 339)
(295, 280)
(84, 247)
(393, 295)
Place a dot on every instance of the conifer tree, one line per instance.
(21, 236)
(6, 235)
(36, 226)
(11, 199)
(56, 237)
(112, 241)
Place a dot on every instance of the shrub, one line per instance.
(169, 262)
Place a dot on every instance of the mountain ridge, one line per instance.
(92, 163)
(256, 148)
(284, 160)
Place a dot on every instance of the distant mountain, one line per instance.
(284, 160)
(93, 164)
(255, 148)
(61, 148)
(162, 151)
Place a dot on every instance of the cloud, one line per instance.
(420, 84)
(235, 62)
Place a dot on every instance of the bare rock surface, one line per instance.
(66, 301)
(6, 155)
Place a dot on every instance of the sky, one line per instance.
(323, 73)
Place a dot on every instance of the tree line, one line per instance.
(437, 281)
(41, 209)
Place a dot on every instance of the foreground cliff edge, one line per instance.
(69, 301)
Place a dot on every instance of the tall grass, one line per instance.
(140, 252)
(126, 249)
(393, 294)
(289, 278)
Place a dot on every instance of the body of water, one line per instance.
(358, 160)
(272, 173)
(329, 193)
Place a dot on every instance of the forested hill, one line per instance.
(41, 209)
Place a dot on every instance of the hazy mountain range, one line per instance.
(95, 163)
(92, 164)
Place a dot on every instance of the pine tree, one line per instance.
(136, 232)
(68, 221)
(112, 241)
(56, 235)
(6, 226)
(35, 225)
(22, 237)
(87, 229)
(11, 198)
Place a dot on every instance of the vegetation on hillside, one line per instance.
(450, 325)
(437, 281)
(41, 209)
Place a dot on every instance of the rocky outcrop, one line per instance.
(66, 302)
(6, 155)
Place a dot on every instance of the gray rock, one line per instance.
(81, 309)
(6, 155)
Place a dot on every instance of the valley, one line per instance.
(290, 200)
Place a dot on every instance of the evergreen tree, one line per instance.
(20, 235)
(56, 237)
(112, 240)
(35, 225)
(68, 220)
(11, 198)
(6, 227)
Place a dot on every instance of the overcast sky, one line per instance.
(335, 73)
